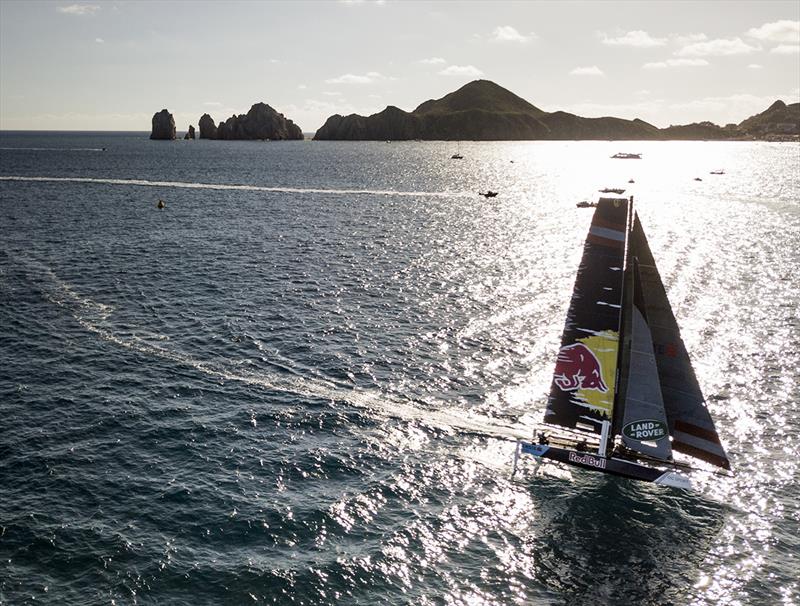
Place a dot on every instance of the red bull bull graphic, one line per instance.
(578, 368)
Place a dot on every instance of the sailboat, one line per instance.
(624, 396)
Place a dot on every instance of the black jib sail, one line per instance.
(584, 382)
(690, 423)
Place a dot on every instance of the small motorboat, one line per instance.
(488, 194)
(456, 157)
(627, 156)
(697, 179)
(612, 190)
(585, 204)
(717, 172)
(631, 181)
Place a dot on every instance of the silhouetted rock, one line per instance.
(208, 130)
(163, 125)
(190, 133)
(261, 122)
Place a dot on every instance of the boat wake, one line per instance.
(233, 187)
(57, 149)
(94, 318)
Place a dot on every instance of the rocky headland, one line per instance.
(485, 111)
(163, 125)
(261, 122)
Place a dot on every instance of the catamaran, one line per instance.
(624, 395)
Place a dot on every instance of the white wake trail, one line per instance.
(230, 187)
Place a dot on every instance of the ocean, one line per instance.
(301, 381)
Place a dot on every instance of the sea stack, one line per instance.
(163, 125)
(190, 133)
(208, 130)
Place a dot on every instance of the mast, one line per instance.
(625, 332)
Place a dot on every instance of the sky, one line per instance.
(111, 65)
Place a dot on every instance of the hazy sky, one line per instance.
(110, 65)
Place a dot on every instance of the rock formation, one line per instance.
(208, 130)
(163, 125)
(261, 122)
(190, 133)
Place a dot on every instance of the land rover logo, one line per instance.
(646, 430)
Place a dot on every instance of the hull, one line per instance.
(611, 465)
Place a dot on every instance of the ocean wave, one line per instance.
(94, 317)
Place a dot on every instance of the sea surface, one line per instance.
(301, 381)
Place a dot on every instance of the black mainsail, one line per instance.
(583, 390)
(623, 370)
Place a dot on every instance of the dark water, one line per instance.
(299, 383)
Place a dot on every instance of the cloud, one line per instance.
(78, 9)
(755, 66)
(461, 70)
(433, 61)
(718, 47)
(506, 33)
(676, 63)
(777, 31)
(587, 71)
(212, 103)
(786, 49)
(301, 87)
(99, 40)
(686, 39)
(636, 38)
(368, 78)
(331, 93)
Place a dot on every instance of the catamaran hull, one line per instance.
(595, 462)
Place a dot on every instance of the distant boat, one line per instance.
(624, 395)
(585, 204)
(717, 172)
(697, 179)
(611, 190)
(456, 156)
(489, 194)
(161, 203)
(627, 156)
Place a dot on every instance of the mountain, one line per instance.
(777, 120)
(480, 110)
(485, 111)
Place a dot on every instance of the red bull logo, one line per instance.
(578, 368)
